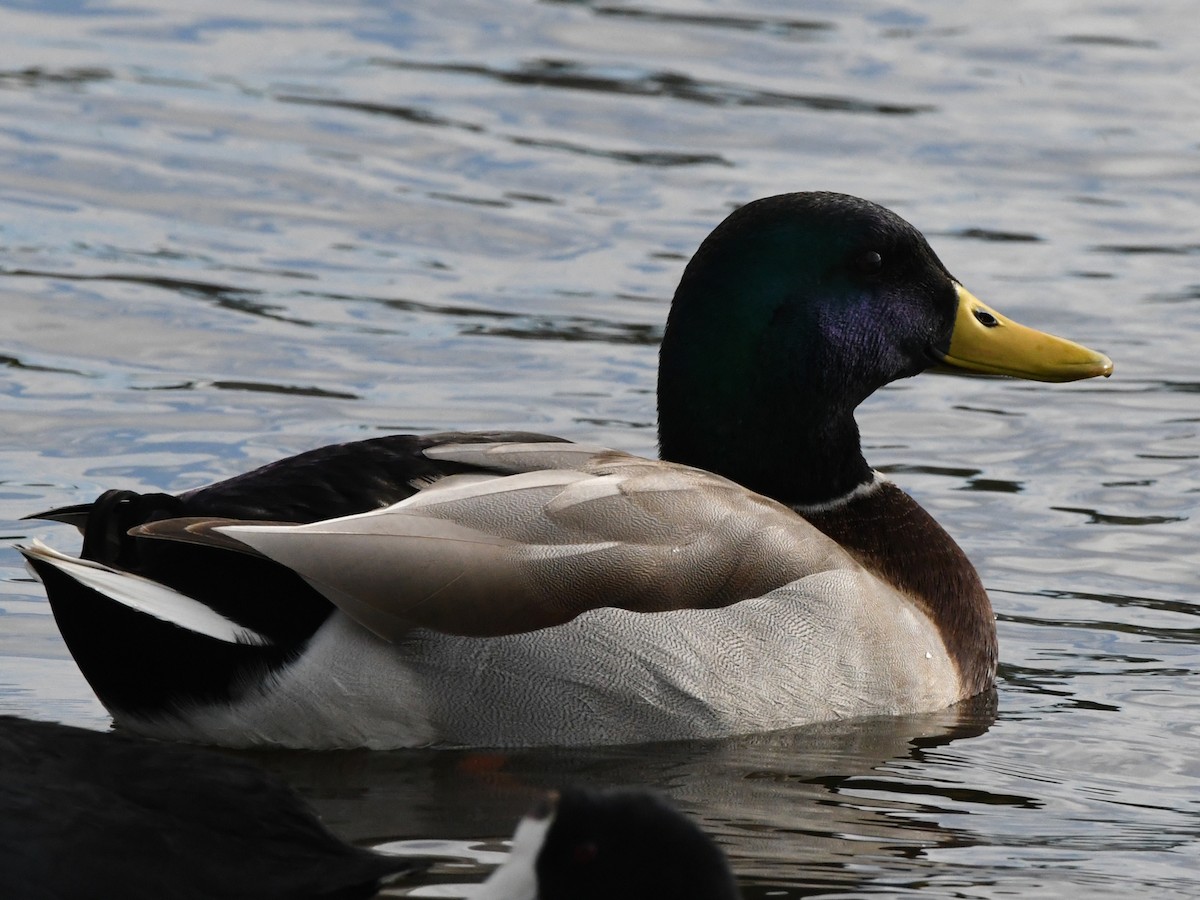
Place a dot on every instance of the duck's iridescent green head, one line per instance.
(792, 312)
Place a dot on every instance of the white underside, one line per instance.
(817, 649)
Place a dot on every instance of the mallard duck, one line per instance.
(85, 814)
(582, 844)
(518, 589)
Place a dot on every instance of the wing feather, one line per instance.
(535, 549)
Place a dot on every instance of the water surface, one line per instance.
(230, 235)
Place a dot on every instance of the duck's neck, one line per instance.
(810, 456)
(892, 536)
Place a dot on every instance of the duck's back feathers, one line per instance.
(489, 556)
(324, 483)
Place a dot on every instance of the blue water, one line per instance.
(234, 234)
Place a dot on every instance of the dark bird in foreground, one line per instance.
(593, 845)
(515, 589)
(92, 816)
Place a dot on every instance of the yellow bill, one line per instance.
(985, 341)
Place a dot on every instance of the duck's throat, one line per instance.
(893, 537)
(804, 459)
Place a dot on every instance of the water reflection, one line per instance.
(251, 386)
(37, 76)
(990, 234)
(571, 328)
(793, 809)
(1099, 518)
(804, 29)
(14, 362)
(410, 114)
(658, 158)
(573, 76)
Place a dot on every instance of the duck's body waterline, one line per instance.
(523, 591)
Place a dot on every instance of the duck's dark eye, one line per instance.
(985, 318)
(868, 263)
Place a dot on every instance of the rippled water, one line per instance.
(230, 235)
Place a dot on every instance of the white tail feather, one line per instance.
(147, 597)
